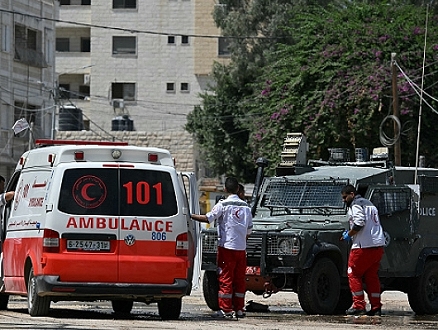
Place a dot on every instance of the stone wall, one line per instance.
(179, 143)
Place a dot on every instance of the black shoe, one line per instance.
(375, 312)
(356, 312)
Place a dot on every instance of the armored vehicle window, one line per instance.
(304, 197)
(117, 192)
(389, 201)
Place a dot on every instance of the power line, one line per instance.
(139, 31)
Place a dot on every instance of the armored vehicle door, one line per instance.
(398, 216)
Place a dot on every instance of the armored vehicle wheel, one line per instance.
(36, 305)
(423, 298)
(4, 299)
(319, 288)
(122, 306)
(169, 308)
(345, 301)
(210, 286)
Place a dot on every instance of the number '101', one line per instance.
(141, 192)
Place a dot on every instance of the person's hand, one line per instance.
(345, 236)
(9, 195)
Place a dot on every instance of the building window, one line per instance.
(62, 44)
(28, 46)
(124, 45)
(84, 91)
(6, 38)
(184, 87)
(85, 2)
(170, 87)
(185, 40)
(171, 40)
(64, 2)
(124, 4)
(125, 91)
(64, 91)
(223, 46)
(28, 112)
(85, 45)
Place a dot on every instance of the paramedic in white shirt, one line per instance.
(234, 221)
(366, 251)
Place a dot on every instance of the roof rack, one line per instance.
(49, 142)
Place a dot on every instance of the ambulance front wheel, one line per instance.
(36, 305)
(169, 308)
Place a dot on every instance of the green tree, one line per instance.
(334, 84)
(323, 70)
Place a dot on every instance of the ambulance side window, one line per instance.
(6, 210)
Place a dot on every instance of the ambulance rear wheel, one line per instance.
(122, 306)
(36, 305)
(4, 299)
(210, 288)
(169, 308)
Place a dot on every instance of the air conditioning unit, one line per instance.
(118, 103)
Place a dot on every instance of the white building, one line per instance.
(26, 75)
(134, 65)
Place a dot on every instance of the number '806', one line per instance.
(158, 236)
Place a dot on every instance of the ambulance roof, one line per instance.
(50, 153)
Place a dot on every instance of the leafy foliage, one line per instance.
(327, 74)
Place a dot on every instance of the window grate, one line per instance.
(304, 197)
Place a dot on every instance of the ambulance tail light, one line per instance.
(50, 241)
(182, 245)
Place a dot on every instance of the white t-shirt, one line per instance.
(234, 221)
(363, 213)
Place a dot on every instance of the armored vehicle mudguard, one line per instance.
(299, 217)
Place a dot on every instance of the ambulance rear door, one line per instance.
(87, 219)
(152, 219)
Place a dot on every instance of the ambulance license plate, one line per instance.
(76, 244)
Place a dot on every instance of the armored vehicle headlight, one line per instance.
(209, 242)
(289, 246)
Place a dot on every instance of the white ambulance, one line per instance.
(99, 221)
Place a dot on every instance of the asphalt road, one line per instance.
(282, 311)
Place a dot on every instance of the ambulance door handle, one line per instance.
(49, 208)
(185, 210)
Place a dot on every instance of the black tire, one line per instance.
(210, 287)
(169, 308)
(4, 299)
(423, 297)
(36, 305)
(345, 301)
(122, 306)
(319, 288)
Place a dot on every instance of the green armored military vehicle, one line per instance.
(299, 217)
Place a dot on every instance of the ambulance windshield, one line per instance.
(117, 192)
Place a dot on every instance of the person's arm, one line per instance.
(200, 217)
(6, 197)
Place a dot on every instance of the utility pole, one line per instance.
(395, 112)
(55, 107)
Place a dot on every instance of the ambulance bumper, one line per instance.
(51, 286)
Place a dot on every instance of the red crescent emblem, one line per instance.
(84, 192)
(236, 214)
